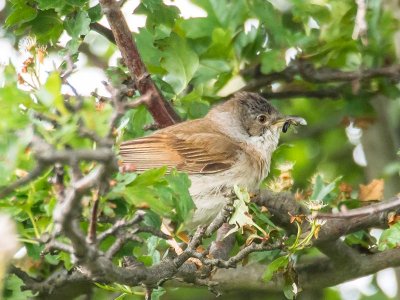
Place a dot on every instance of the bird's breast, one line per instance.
(259, 150)
(252, 165)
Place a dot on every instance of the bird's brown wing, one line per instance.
(192, 147)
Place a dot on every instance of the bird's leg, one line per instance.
(223, 244)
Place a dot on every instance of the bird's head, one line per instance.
(257, 115)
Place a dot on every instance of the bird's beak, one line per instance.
(286, 121)
(292, 120)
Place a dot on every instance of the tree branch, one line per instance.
(317, 273)
(160, 109)
(307, 72)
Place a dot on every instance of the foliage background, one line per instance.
(195, 61)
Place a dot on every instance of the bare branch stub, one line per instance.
(160, 109)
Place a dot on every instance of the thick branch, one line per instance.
(318, 273)
(160, 109)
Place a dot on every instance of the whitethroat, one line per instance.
(231, 145)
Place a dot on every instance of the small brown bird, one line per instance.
(231, 145)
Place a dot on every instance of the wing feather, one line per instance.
(203, 152)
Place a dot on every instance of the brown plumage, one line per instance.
(204, 151)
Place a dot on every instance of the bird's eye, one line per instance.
(286, 126)
(262, 119)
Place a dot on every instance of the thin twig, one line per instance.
(91, 238)
(120, 224)
(232, 261)
(121, 241)
(58, 246)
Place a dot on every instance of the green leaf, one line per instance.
(152, 243)
(47, 26)
(150, 189)
(198, 109)
(48, 4)
(166, 195)
(180, 183)
(272, 20)
(229, 14)
(198, 27)
(321, 191)
(20, 13)
(180, 62)
(221, 46)
(210, 69)
(95, 13)
(193, 105)
(390, 238)
(12, 153)
(157, 13)
(78, 3)
(13, 291)
(273, 267)
(146, 260)
(152, 219)
(50, 93)
(157, 293)
(134, 121)
(288, 291)
(11, 114)
(260, 215)
(241, 216)
(150, 54)
(272, 61)
(149, 177)
(148, 196)
(34, 251)
(73, 45)
(78, 25)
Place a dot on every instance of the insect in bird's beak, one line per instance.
(290, 120)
